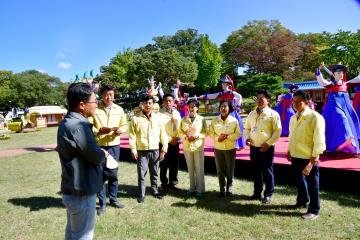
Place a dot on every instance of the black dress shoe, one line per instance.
(266, 200)
(254, 197)
(117, 205)
(158, 195)
(229, 194)
(140, 199)
(100, 211)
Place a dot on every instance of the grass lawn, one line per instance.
(30, 208)
(30, 139)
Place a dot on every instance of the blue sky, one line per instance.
(68, 37)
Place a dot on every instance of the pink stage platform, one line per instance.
(334, 161)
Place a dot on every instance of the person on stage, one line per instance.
(285, 109)
(356, 100)
(342, 127)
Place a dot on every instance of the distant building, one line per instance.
(43, 116)
(317, 93)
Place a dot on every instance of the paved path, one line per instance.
(26, 150)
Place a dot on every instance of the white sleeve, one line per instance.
(355, 80)
(323, 82)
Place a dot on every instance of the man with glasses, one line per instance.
(262, 130)
(109, 123)
(81, 159)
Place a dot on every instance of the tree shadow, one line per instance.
(343, 199)
(232, 206)
(37, 203)
(347, 200)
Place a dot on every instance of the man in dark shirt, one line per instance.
(80, 158)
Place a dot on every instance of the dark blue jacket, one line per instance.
(80, 156)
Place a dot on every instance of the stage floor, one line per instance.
(338, 161)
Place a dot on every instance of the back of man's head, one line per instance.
(78, 92)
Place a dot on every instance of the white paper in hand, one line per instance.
(111, 163)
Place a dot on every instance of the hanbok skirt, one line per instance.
(342, 130)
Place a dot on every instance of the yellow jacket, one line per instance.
(171, 122)
(307, 135)
(265, 128)
(146, 134)
(229, 126)
(114, 118)
(198, 128)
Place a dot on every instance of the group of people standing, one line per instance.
(89, 136)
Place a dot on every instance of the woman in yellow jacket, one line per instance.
(225, 130)
(192, 131)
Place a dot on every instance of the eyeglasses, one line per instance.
(96, 101)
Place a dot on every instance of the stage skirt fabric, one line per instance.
(240, 143)
(356, 100)
(342, 130)
(286, 111)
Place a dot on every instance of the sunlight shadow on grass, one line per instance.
(37, 203)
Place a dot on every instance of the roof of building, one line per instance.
(45, 110)
(308, 85)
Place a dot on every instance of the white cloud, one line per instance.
(64, 65)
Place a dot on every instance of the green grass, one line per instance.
(30, 208)
(30, 139)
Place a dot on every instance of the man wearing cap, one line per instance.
(342, 129)
(109, 122)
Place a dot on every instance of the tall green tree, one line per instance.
(6, 93)
(34, 89)
(185, 41)
(116, 72)
(251, 83)
(166, 66)
(209, 61)
(262, 47)
(344, 47)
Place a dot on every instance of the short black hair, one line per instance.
(147, 97)
(193, 100)
(168, 95)
(105, 88)
(231, 107)
(304, 95)
(78, 92)
(266, 93)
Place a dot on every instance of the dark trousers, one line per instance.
(110, 175)
(171, 162)
(225, 165)
(307, 186)
(262, 163)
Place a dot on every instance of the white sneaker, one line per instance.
(310, 216)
